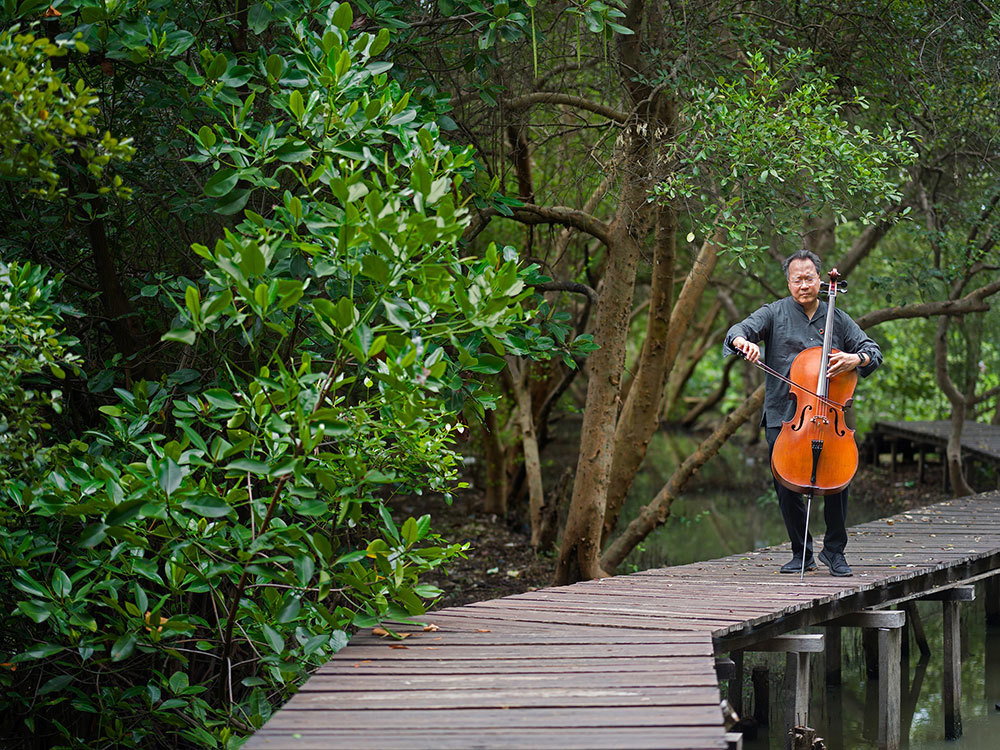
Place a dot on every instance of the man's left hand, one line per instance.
(842, 362)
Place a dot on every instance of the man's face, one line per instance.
(803, 282)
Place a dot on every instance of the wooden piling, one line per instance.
(952, 689)
(735, 685)
(888, 698)
(833, 655)
(759, 677)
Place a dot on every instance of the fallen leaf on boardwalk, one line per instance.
(380, 631)
(397, 645)
(483, 630)
(430, 628)
(365, 661)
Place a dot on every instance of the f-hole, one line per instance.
(836, 424)
(802, 417)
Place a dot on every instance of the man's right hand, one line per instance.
(750, 351)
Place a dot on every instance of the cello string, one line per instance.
(782, 378)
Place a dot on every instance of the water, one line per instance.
(729, 508)
(847, 716)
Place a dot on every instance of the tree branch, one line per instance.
(974, 301)
(521, 103)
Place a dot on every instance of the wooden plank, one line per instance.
(514, 698)
(637, 738)
(676, 664)
(404, 683)
(478, 719)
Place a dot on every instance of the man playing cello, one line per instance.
(786, 327)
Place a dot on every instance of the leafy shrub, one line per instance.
(180, 570)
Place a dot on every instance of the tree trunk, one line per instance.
(953, 452)
(578, 554)
(529, 444)
(495, 470)
(640, 415)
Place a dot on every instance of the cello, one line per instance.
(815, 453)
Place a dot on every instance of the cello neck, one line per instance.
(823, 382)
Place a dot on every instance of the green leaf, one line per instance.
(221, 183)
(183, 335)
(295, 105)
(125, 512)
(61, 583)
(206, 136)
(55, 684)
(343, 17)
(275, 66)
(37, 612)
(294, 151)
(218, 67)
(290, 611)
(123, 647)
(248, 464)
(169, 476)
(274, 640)
(208, 506)
(220, 399)
(234, 202)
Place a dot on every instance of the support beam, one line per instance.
(954, 594)
(734, 741)
(913, 616)
(811, 644)
(952, 689)
(889, 689)
(885, 618)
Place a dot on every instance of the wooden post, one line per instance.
(761, 698)
(833, 654)
(735, 689)
(920, 466)
(797, 663)
(952, 692)
(888, 693)
(991, 591)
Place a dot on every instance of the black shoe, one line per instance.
(836, 563)
(795, 565)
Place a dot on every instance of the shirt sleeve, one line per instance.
(754, 328)
(857, 341)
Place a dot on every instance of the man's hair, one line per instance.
(803, 254)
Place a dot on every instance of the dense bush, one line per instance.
(177, 571)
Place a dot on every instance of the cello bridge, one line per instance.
(820, 419)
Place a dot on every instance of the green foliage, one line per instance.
(775, 137)
(179, 570)
(34, 352)
(46, 121)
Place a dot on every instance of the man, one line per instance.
(786, 327)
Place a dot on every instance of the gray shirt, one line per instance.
(785, 331)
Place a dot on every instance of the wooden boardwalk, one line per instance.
(623, 662)
(980, 441)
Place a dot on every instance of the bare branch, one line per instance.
(567, 286)
(974, 301)
(521, 103)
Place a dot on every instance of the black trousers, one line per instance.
(793, 512)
